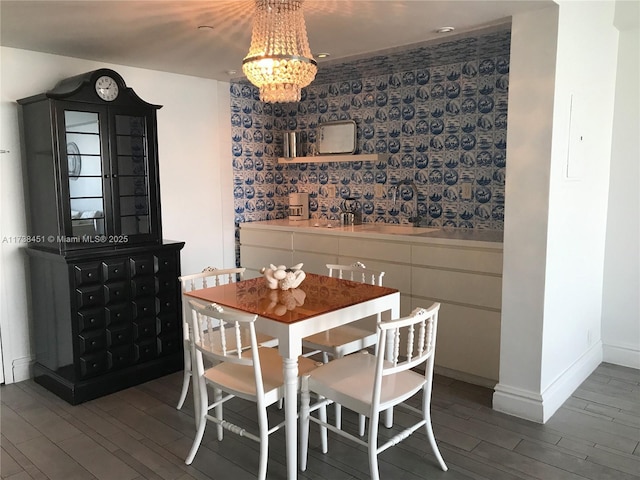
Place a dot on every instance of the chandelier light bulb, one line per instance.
(279, 61)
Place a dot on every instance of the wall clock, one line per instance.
(106, 88)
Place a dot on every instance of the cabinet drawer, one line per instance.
(144, 328)
(166, 263)
(120, 357)
(166, 283)
(315, 243)
(117, 313)
(144, 307)
(257, 257)
(167, 303)
(86, 274)
(376, 250)
(89, 296)
(92, 341)
(90, 319)
(116, 292)
(267, 238)
(141, 266)
(168, 323)
(169, 343)
(471, 259)
(145, 350)
(93, 364)
(119, 335)
(143, 287)
(457, 287)
(113, 270)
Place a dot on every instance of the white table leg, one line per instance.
(290, 367)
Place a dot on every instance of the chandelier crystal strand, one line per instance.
(279, 61)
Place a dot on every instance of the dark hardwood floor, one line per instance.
(138, 434)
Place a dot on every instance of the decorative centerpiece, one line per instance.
(282, 277)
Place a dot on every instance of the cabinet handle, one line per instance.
(114, 176)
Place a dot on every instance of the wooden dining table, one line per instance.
(318, 304)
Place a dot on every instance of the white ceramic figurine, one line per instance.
(282, 277)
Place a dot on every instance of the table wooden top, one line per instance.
(316, 295)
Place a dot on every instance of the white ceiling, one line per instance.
(164, 35)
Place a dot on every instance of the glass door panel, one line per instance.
(133, 176)
(86, 194)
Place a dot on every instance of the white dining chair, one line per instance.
(346, 339)
(241, 368)
(370, 384)
(209, 277)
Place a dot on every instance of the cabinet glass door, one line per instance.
(84, 159)
(132, 181)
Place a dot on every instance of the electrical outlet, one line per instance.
(379, 190)
(466, 192)
(331, 190)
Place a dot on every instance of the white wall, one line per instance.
(578, 197)
(195, 175)
(531, 97)
(552, 279)
(620, 302)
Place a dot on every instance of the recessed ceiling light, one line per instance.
(445, 30)
(231, 72)
(323, 55)
(205, 27)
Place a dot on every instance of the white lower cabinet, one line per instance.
(259, 248)
(465, 279)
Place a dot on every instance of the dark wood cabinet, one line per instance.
(104, 285)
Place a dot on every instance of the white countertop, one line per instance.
(437, 235)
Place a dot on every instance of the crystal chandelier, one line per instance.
(279, 61)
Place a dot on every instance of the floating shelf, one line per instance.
(373, 157)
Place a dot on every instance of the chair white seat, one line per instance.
(349, 382)
(209, 277)
(341, 341)
(350, 338)
(240, 379)
(240, 369)
(369, 384)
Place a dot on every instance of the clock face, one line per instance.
(107, 88)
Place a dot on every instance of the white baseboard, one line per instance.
(540, 406)
(621, 355)
(22, 369)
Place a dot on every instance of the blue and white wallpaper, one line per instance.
(436, 112)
